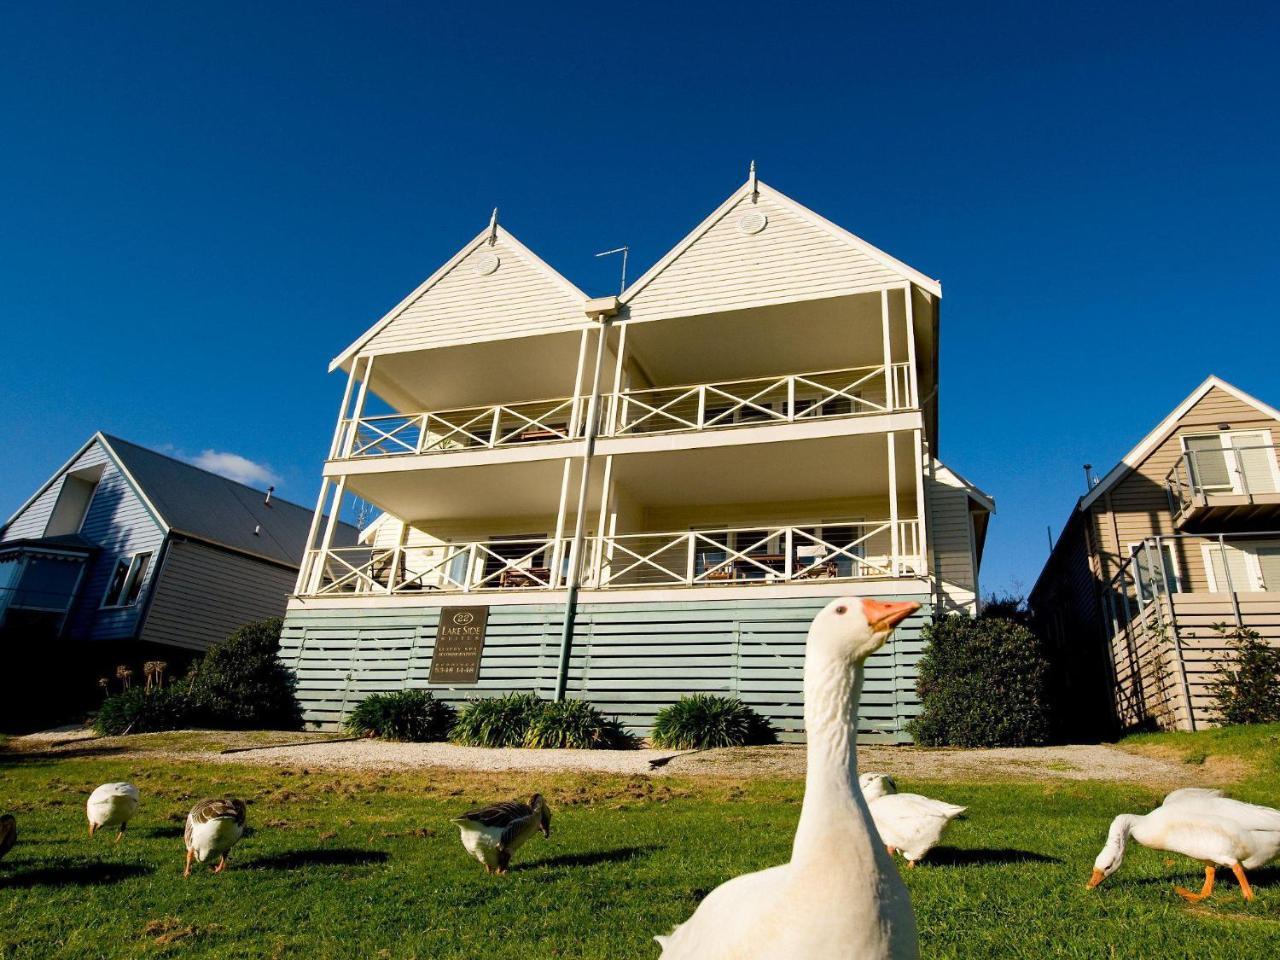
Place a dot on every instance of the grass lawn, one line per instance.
(344, 864)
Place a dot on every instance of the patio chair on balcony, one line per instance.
(712, 566)
(808, 559)
(514, 577)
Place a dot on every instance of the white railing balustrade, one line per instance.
(1243, 471)
(498, 425)
(796, 398)
(854, 550)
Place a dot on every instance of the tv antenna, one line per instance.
(622, 250)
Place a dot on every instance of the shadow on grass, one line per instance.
(17, 758)
(71, 873)
(160, 833)
(321, 857)
(958, 857)
(587, 859)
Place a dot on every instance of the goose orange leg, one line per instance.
(120, 835)
(891, 848)
(222, 864)
(1210, 871)
(92, 827)
(190, 856)
(1244, 881)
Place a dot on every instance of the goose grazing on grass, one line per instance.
(907, 822)
(876, 785)
(213, 828)
(1217, 831)
(840, 897)
(112, 805)
(8, 834)
(492, 834)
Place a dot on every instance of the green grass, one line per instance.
(353, 865)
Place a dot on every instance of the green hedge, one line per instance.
(700, 721)
(407, 715)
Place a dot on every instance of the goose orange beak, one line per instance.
(1097, 878)
(883, 617)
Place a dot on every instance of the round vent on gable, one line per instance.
(487, 264)
(753, 221)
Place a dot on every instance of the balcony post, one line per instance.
(335, 507)
(888, 351)
(308, 557)
(619, 367)
(358, 412)
(691, 568)
(495, 426)
(921, 545)
(602, 311)
(791, 399)
(913, 384)
(893, 503)
(606, 495)
(575, 418)
(342, 412)
(557, 550)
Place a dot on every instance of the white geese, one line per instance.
(492, 834)
(840, 897)
(112, 805)
(1203, 824)
(908, 823)
(213, 828)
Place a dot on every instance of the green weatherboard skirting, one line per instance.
(629, 659)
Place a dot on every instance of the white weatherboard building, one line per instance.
(651, 494)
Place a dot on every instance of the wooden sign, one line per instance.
(459, 643)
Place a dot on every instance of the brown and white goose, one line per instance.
(492, 834)
(213, 828)
(840, 897)
(8, 834)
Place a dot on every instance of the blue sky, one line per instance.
(200, 206)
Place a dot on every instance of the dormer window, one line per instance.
(126, 580)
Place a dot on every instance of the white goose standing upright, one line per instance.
(840, 897)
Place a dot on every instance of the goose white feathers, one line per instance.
(1217, 831)
(840, 897)
(112, 805)
(875, 785)
(8, 833)
(213, 828)
(492, 834)
(912, 824)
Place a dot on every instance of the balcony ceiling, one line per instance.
(823, 469)
(788, 338)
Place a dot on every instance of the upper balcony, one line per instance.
(1225, 486)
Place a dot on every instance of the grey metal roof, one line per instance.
(212, 508)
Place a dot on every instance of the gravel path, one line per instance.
(1079, 762)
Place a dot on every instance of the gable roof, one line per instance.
(1152, 440)
(523, 295)
(210, 507)
(846, 259)
(191, 501)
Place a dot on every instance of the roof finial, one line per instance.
(493, 227)
(751, 179)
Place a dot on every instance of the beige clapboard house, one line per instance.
(650, 494)
(1181, 536)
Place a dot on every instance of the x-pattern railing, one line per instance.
(496, 425)
(446, 567)
(785, 399)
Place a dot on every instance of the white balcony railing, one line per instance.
(498, 425)
(1243, 471)
(795, 398)
(855, 550)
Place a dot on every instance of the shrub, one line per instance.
(411, 715)
(241, 683)
(576, 725)
(138, 710)
(497, 721)
(1247, 687)
(983, 683)
(700, 721)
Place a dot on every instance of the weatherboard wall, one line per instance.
(629, 659)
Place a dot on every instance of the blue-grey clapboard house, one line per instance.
(126, 554)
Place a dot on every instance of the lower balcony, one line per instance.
(732, 556)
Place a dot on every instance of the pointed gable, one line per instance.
(762, 249)
(494, 287)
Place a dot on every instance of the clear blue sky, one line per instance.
(201, 204)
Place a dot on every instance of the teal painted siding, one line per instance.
(630, 659)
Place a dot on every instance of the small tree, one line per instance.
(1247, 688)
(241, 683)
(983, 683)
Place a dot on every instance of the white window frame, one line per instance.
(1171, 558)
(132, 576)
(1251, 564)
(1237, 488)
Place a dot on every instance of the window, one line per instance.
(126, 580)
(1243, 568)
(1158, 568)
